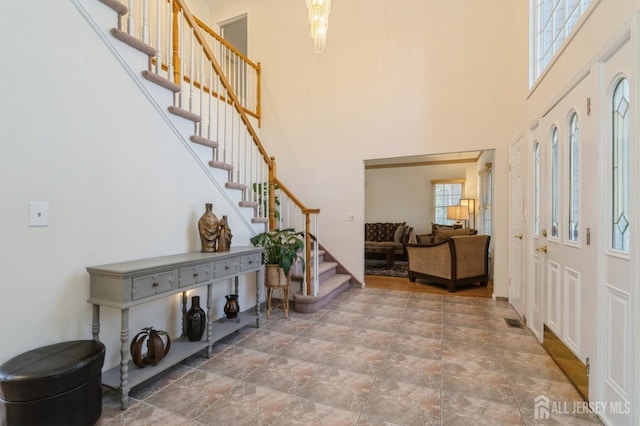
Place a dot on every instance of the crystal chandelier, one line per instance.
(319, 19)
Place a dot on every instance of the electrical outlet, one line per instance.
(38, 214)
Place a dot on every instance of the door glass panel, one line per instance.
(574, 177)
(620, 167)
(555, 178)
(536, 189)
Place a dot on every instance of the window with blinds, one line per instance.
(485, 200)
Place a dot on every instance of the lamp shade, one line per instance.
(458, 213)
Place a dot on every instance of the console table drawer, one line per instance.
(251, 262)
(195, 274)
(148, 285)
(225, 268)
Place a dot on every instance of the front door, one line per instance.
(562, 269)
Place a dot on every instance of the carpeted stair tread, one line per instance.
(329, 289)
(160, 81)
(260, 220)
(203, 141)
(184, 114)
(249, 204)
(220, 165)
(117, 6)
(133, 42)
(323, 267)
(235, 185)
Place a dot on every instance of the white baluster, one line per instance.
(145, 21)
(192, 77)
(209, 135)
(181, 54)
(170, 65)
(158, 37)
(130, 19)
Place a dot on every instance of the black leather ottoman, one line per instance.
(60, 384)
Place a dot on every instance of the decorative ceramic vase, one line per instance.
(208, 226)
(196, 320)
(156, 348)
(224, 235)
(231, 308)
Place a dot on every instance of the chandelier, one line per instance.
(319, 20)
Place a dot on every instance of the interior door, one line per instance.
(536, 278)
(516, 217)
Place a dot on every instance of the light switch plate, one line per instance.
(38, 213)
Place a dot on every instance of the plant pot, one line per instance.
(276, 280)
(275, 276)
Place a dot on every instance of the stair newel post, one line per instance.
(307, 252)
(175, 44)
(310, 284)
(272, 193)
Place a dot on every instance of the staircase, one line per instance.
(209, 115)
(333, 277)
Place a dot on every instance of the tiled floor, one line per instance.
(372, 357)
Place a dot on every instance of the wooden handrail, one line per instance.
(289, 194)
(223, 79)
(256, 66)
(307, 212)
(228, 45)
(197, 26)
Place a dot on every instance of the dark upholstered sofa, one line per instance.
(453, 261)
(387, 238)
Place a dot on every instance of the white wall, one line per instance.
(397, 79)
(78, 134)
(405, 194)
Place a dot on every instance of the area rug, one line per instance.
(377, 267)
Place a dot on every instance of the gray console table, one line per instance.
(127, 284)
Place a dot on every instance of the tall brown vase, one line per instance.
(224, 235)
(208, 226)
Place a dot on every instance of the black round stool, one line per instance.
(59, 384)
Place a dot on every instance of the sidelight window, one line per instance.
(620, 166)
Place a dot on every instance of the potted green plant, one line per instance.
(281, 247)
